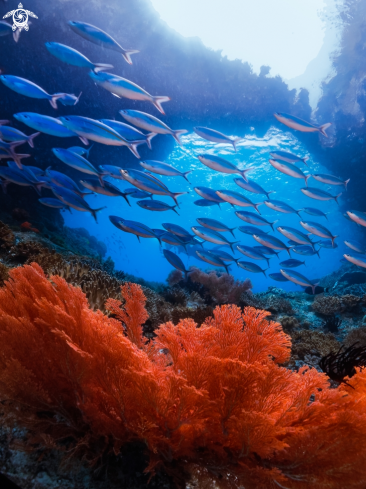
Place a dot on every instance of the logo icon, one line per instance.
(20, 18)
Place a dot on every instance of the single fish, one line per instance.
(208, 194)
(37, 172)
(130, 133)
(251, 230)
(219, 164)
(75, 201)
(144, 182)
(359, 261)
(78, 162)
(330, 179)
(29, 89)
(223, 255)
(163, 169)
(112, 171)
(211, 236)
(356, 246)
(315, 193)
(315, 212)
(55, 203)
(65, 181)
(271, 242)
(171, 239)
(327, 244)
(121, 87)
(78, 150)
(72, 57)
(177, 230)
(289, 157)
(150, 123)
(254, 219)
(44, 123)
(107, 189)
(358, 217)
(87, 128)
(295, 236)
(278, 277)
(156, 205)
(251, 267)
(19, 177)
(298, 279)
(252, 253)
(11, 134)
(175, 261)
(318, 230)
(27, 171)
(279, 206)
(137, 194)
(305, 250)
(291, 263)
(235, 198)
(252, 186)
(134, 227)
(216, 136)
(69, 98)
(214, 225)
(289, 169)
(205, 203)
(101, 38)
(301, 125)
(212, 259)
(265, 250)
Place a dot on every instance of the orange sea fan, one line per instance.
(214, 399)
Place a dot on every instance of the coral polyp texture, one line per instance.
(210, 401)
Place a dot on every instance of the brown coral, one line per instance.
(277, 304)
(312, 342)
(330, 305)
(289, 323)
(356, 335)
(7, 237)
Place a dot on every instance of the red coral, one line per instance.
(213, 399)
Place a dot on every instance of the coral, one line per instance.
(332, 323)
(224, 289)
(247, 299)
(7, 237)
(277, 304)
(174, 277)
(343, 364)
(356, 335)
(330, 305)
(307, 341)
(289, 323)
(176, 295)
(4, 273)
(26, 251)
(213, 401)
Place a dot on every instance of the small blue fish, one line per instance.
(330, 179)
(129, 132)
(133, 227)
(289, 169)
(358, 261)
(223, 255)
(356, 246)
(271, 242)
(101, 38)
(106, 189)
(291, 263)
(301, 125)
(358, 217)
(72, 57)
(219, 164)
(175, 261)
(212, 259)
(278, 277)
(251, 267)
(17, 176)
(327, 244)
(254, 219)
(234, 198)
(11, 134)
(289, 157)
(205, 203)
(216, 136)
(294, 235)
(163, 169)
(265, 250)
(78, 150)
(214, 225)
(317, 194)
(78, 162)
(62, 180)
(305, 250)
(211, 236)
(279, 206)
(68, 98)
(177, 230)
(250, 252)
(171, 239)
(298, 279)
(44, 123)
(55, 203)
(111, 171)
(75, 201)
(318, 230)
(138, 194)
(208, 194)
(156, 205)
(251, 230)
(29, 89)
(315, 212)
(251, 186)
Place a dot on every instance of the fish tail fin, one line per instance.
(244, 172)
(177, 194)
(77, 100)
(185, 175)
(31, 137)
(256, 206)
(305, 160)
(346, 183)
(54, 98)
(268, 262)
(133, 148)
(232, 231)
(235, 141)
(84, 140)
(149, 138)
(317, 252)
(227, 269)
(337, 197)
(288, 251)
(272, 223)
(333, 238)
(17, 158)
(177, 133)
(127, 55)
(3, 122)
(94, 212)
(264, 272)
(231, 245)
(87, 152)
(101, 67)
(324, 127)
(158, 100)
(175, 210)
(38, 188)
(298, 212)
(270, 192)
(307, 178)
(68, 208)
(304, 263)
(126, 199)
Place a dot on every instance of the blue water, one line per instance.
(145, 259)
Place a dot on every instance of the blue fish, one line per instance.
(305, 250)
(289, 157)
(212, 259)
(278, 277)
(175, 261)
(291, 263)
(176, 229)
(205, 203)
(106, 189)
(298, 279)
(216, 136)
(62, 180)
(101, 38)
(355, 246)
(251, 267)
(78, 162)
(208, 194)
(11, 134)
(265, 250)
(72, 57)
(156, 205)
(19, 177)
(219, 164)
(315, 212)
(55, 203)
(215, 225)
(254, 219)
(130, 133)
(134, 227)
(44, 123)
(223, 255)
(78, 150)
(68, 98)
(301, 125)
(252, 186)
(317, 194)
(75, 201)
(279, 206)
(252, 253)
(138, 194)
(251, 230)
